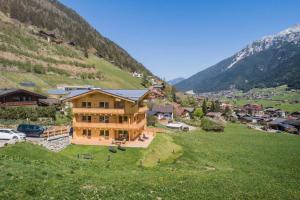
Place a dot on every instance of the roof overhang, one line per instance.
(106, 93)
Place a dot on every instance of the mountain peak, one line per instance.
(291, 35)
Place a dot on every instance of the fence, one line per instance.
(56, 131)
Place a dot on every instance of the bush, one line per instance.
(151, 120)
(209, 124)
(23, 113)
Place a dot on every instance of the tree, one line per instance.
(217, 106)
(86, 54)
(204, 107)
(173, 94)
(198, 113)
(145, 81)
(212, 106)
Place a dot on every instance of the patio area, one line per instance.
(149, 136)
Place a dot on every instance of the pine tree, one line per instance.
(212, 107)
(204, 107)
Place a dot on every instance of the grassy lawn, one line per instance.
(238, 164)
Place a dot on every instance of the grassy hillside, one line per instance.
(68, 25)
(238, 164)
(25, 57)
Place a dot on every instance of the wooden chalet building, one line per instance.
(19, 97)
(107, 115)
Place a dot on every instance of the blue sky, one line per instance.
(177, 38)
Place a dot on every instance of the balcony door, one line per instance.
(122, 135)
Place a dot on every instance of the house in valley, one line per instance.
(253, 109)
(19, 97)
(188, 112)
(163, 112)
(107, 115)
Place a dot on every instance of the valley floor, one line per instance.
(240, 163)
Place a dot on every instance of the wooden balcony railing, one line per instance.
(98, 111)
(124, 126)
(19, 103)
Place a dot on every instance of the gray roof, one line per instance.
(277, 121)
(6, 91)
(57, 92)
(162, 108)
(133, 95)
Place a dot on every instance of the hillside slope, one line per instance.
(269, 62)
(25, 57)
(53, 16)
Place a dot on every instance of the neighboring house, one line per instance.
(295, 123)
(273, 112)
(253, 109)
(19, 97)
(74, 87)
(214, 115)
(49, 36)
(163, 112)
(282, 124)
(137, 75)
(107, 114)
(295, 115)
(248, 119)
(223, 106)
(188, 112)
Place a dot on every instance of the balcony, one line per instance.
(19, 103)
(98, 111)
(125, 126)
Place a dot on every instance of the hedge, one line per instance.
(31, 113)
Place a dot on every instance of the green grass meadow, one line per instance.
(238, 164)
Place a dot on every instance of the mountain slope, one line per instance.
(54, 16)
(175, 81)
(26, 57)
(272, 61)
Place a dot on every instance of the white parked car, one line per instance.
(10, 134)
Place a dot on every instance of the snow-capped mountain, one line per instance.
(290, 35)
(271, 61)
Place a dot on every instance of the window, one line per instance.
(123, 119)
(86, 133)
(104, 119)
(104, 133)
(119, 104)
(86, 104)
(86, 118)
(122, 135)
(103, 105)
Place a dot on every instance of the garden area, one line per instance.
(239, 163)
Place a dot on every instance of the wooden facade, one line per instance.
(19, 97)
(98, 115)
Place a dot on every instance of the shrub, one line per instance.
(209, 124)
(198, 113)
(19, 113)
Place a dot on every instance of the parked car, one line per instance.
(31, 130)
(10, 134)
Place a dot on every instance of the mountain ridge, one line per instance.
(270, 61)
